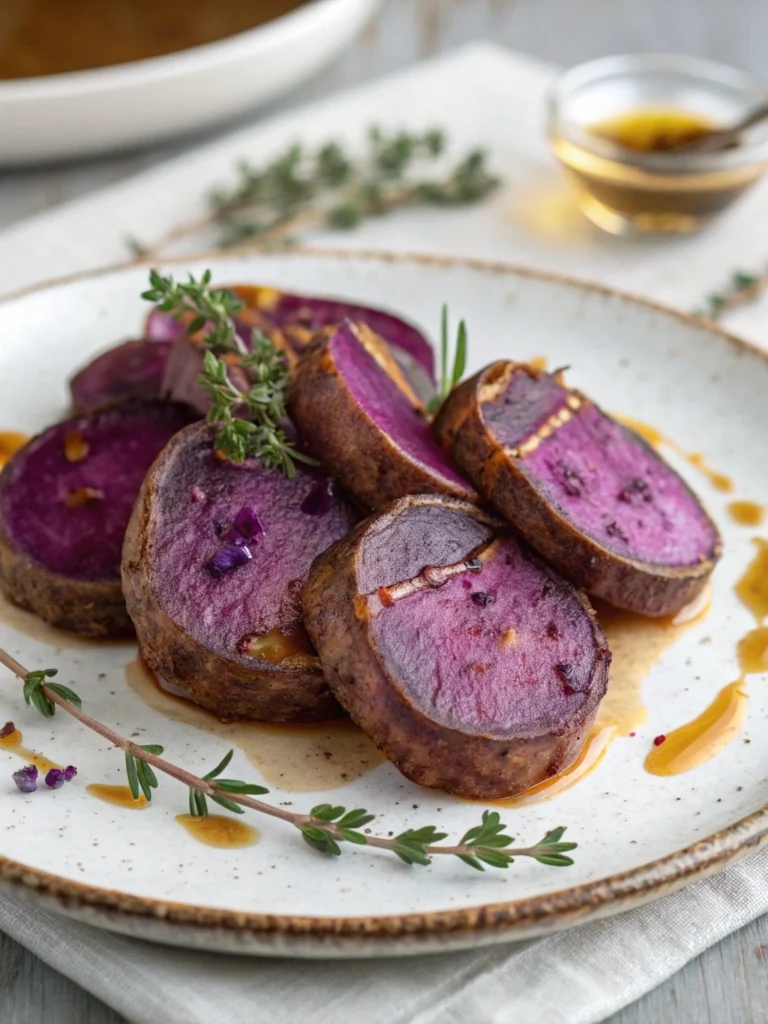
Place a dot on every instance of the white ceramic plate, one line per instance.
(59, 117)
(640, 835)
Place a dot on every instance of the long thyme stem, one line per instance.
(411, 846)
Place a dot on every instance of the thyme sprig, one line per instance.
(326, 826)
(449, 377)
(248, 419)
(329, 186)
(306, 188)
(743, 287)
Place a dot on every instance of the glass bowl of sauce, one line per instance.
(616, 124)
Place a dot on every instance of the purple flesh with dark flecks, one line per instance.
(602, 477)
(388, 406)
(258, 594)
(458, 663)
(134, 369)
(26, 778)
(83, 540)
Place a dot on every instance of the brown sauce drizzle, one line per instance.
(297, 758)
(220, 831)
(701, 739)
(10, 443)
(120, 796)
(13, 743)
(746, 513)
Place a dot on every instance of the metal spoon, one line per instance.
(724, 137)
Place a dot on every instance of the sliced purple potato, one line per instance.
(359, 416)
(586, 492)
(135, 369)
(215, 559)
(291, 322)
(471, 664)
(65, 502)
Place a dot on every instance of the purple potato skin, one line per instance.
(135, 369)
(364, 424)
(499, 427)
(192, 622)
(62, 561)
(414, 684)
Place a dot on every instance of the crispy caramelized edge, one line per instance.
(643, 587)
(433, 755)
(223, 686)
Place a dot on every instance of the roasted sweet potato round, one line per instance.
(586, 492)
(362, 420)
(65, 502)
(134, 369)
(215, 559)
(473, 666)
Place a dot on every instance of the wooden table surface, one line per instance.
(728, 984)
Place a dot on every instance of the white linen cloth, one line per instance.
(486, 96)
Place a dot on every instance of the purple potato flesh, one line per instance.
(361, 419)
(588, 493)
(65, 502)
(468, 661)
(218, 613)
(134, 369)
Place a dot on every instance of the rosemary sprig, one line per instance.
(248, 421)
(326, 826)
(449, 378)
(304, 189)
(742, 288)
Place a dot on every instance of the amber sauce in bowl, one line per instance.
(619, 126)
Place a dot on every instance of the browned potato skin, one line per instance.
(228, 689)
(474, 767)
(648, 589)
(348, 443)
(93, 609)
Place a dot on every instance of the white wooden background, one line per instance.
(729, 983)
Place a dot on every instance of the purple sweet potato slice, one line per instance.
(588, 493)
(215, 559)
(471, 664)
(65, 502)
(291, 322)
(361, 419)
(134, 369)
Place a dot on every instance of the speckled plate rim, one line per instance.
(418, 932)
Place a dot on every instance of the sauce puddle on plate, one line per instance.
(701, 739)
(13, 743)
(297, 758)
(120, 796)
(746, 513)
(10, 443)
(220, 831)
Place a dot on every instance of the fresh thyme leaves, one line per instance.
(742, 288)
(324, 828)
(449, 378)
(304, 189)
(248, 420)
(35, 688)
(198, 806)
(330, 186)
(212, 308)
